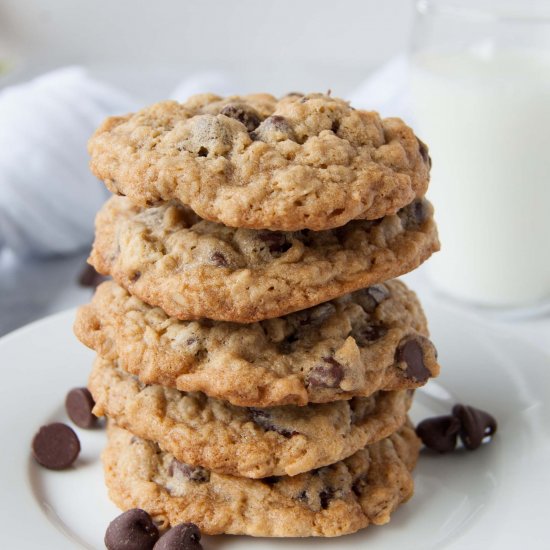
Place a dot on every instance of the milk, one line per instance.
(486, 119)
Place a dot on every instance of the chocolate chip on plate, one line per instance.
(439, 433)
(79, 404)
(55, 446)
(132, 530)
(185, 536)
(475, 424)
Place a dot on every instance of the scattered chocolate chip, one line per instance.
(367, 334)
(273, 128)
(475, 424)
(79, 404)
(132, 530)
(276, 241)
(335, 126)
(263, 419)
(185, 536)
(439, 433)
(219, 259)
(423, 149)
(414, 214)
(55, 446)
(370, 298)
(193, 473)
(328, 375)
(202, 152)
(325, 496)
(89, 277)
(244, 114)
(410, 353)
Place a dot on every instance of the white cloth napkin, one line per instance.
(48, 198)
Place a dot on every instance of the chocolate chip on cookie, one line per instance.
(272, 129)
(132, 530)
(245, 114)
(79, 404)
(56, 446)
(193, 473)
(327, 375)
(264, 419)
(185, 536)
(410, 357)
(275, 241)
(370, 298)
(439, 433)
(475, 425)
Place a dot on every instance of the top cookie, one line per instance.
(301, 162)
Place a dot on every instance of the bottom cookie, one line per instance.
(330, 501)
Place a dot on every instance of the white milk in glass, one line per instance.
(486, 119)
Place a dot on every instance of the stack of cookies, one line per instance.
(256, 361)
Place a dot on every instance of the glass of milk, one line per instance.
(481, 95)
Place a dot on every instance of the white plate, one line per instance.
(494, 498)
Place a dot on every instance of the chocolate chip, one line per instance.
(262, 418)
(411, 354)
(476, 425)
(79, 404)
(423, 149)
(89, 277)
(185, 536)
(368, 334)
(325, 496)
(244, 114)
(219, 259)
(439, 433)
(55, 446)
(335, 126)
(135, 276)
(273, 128)
(193, 473)
(328, 375)
(132, 530)
(370, 298)
(314, 316)
(202, 152)
(276, 242)
(414, 214)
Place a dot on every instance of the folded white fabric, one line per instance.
(48, 198)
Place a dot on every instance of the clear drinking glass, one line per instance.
(481, 95)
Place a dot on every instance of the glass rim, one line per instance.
(496, 13)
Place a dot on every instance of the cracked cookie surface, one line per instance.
(254, 161)
(350, 346)
(168, 257)
(250, 442)
(331, 501)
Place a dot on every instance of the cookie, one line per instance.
(335, 500)
(193, 268)
(350, 346)
(250, 442)
(302, 162)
